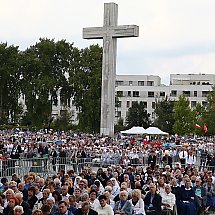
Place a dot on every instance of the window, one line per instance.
(140, 83)
(119, 93)
(205, 93)
(118, 114)
(130, 83)
(193, 104)
(186, 93)
(151, 94)
(136, 94)
(162, 94)
(150, 83)
(128, 104)
(118, 104)
(144, 104)
(153, 105)
(195, 94)
(119, 83)
(129, 93)
(133, 103)
(153, 115)
(63, 112)
(204, 103)
(174, 93)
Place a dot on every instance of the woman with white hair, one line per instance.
(123, 206)
(18, 210)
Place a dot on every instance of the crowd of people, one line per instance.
(136, 176)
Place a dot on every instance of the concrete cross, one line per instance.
(109, 33)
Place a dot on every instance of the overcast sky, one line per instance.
(176, 36)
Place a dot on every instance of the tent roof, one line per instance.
(134, 130)
(155, 130)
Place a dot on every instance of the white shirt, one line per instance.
(191, 159)
(139, 207)
(106, 210)
(169, 199)
(183, 154)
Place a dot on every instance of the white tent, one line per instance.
(134, 130)
(155, 130)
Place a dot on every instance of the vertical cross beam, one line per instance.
(109, 33)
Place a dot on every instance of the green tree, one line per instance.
(10, 75)
(198, 114)
(209, 114)
(44, 68)
(164, 115)
(138, 116)
(85, 79)
(183, 116)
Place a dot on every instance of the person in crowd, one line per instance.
(32, 199)
(63, 208)
(46, 210)
(18, 210)
(168, 201)
(85, 209)
(9, 194)
(210, 193)
(187, 205)
(21, 188)
(104, 208)
(109, 200)
(37, 212)
(9, 210)
(93, 201)
(123, 206)
(25, 205)
(200, 196)
(153, 201)
(137, 203)
(115, 188)
(72, 204)
(183, 156)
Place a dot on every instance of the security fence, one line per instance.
(49, 165)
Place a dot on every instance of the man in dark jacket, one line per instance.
(153, 201)
(152, 159)
(85, 209)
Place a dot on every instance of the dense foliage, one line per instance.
(50, 72)
(56, 72)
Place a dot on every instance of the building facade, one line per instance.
(148, 89)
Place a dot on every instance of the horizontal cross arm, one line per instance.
(125, 31)
(93, 33)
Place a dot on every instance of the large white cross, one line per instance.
(109, 33)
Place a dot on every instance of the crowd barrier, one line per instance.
(49, 165)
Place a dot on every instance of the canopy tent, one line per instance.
(155, 131)
(134, 130)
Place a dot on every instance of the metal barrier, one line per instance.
(50, 165)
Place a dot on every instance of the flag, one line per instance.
(205, 128)
(197, 126)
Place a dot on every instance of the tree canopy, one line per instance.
(138, 116)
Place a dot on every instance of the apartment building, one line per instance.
(148, 89)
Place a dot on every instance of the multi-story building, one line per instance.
(148, 89)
